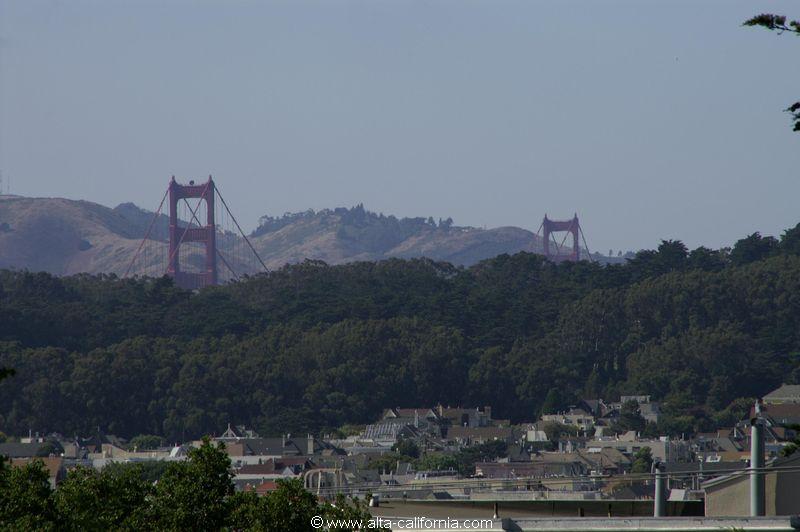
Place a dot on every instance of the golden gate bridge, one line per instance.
(195, 253)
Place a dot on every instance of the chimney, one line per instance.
(283, 441)
(310, 444)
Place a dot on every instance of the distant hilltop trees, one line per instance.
(357, 216)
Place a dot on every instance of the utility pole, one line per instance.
(660, 502)
(757, 465)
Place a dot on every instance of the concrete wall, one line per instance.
(459, 509)
(732, 498)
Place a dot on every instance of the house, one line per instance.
(596, 407)
(663, 449)
(427, 414)
(111, 452)
(640, 399)
(466, 436)
(74, 451)
(577, 417)
(650, 411)
(53, 464)
(388, 431)
(607, 461)
(423, 420)
(779, 413)
(273, 469)
(534, 434)
(729, 495)
(544, 465)
(22, 450)
(261, 488)
(253, 450)
(466, 417)
(236, 433)
(787, 393)
(358, 445)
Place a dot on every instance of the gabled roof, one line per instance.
(266, 486)
(486, 433)
(708, 467)
(269, 447)
(456, 413)
(53, 464)
(261, 488)
(781, 413)
(423, 413)
(531, 469)
(786, 393)
(634, 490)
(390, 429)
(516, 453)
(267, 468)
(20, 450)
(740, 476)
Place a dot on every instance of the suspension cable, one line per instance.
(147, 233)
(240, 231)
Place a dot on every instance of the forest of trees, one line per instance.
(312, 347)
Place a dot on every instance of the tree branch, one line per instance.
(774, 23)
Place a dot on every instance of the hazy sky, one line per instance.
(650, 119)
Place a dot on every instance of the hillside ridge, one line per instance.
(64, 237)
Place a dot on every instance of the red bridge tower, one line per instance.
(205, 235)
(573, 227)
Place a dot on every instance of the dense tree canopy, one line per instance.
(312, 347)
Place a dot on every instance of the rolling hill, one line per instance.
(66, 237)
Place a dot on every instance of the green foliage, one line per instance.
(26, 501)
(790, 448)
(346, 509)
(194, 494)
(291, 351)
(49, 448)
(149, 471)
(778, 23)
(109, 500)
(753, 248)
(144, 442)
(630, 418)
(555, 430)
(347, 430)
(642, 460)
(773, 22)
(290, 508)
(6, 372)
(485, 452)
(406, 448)
(553, 402)
(387, 462)
(437, 462)
(737, 410)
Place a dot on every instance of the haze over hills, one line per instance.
(66, 236)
